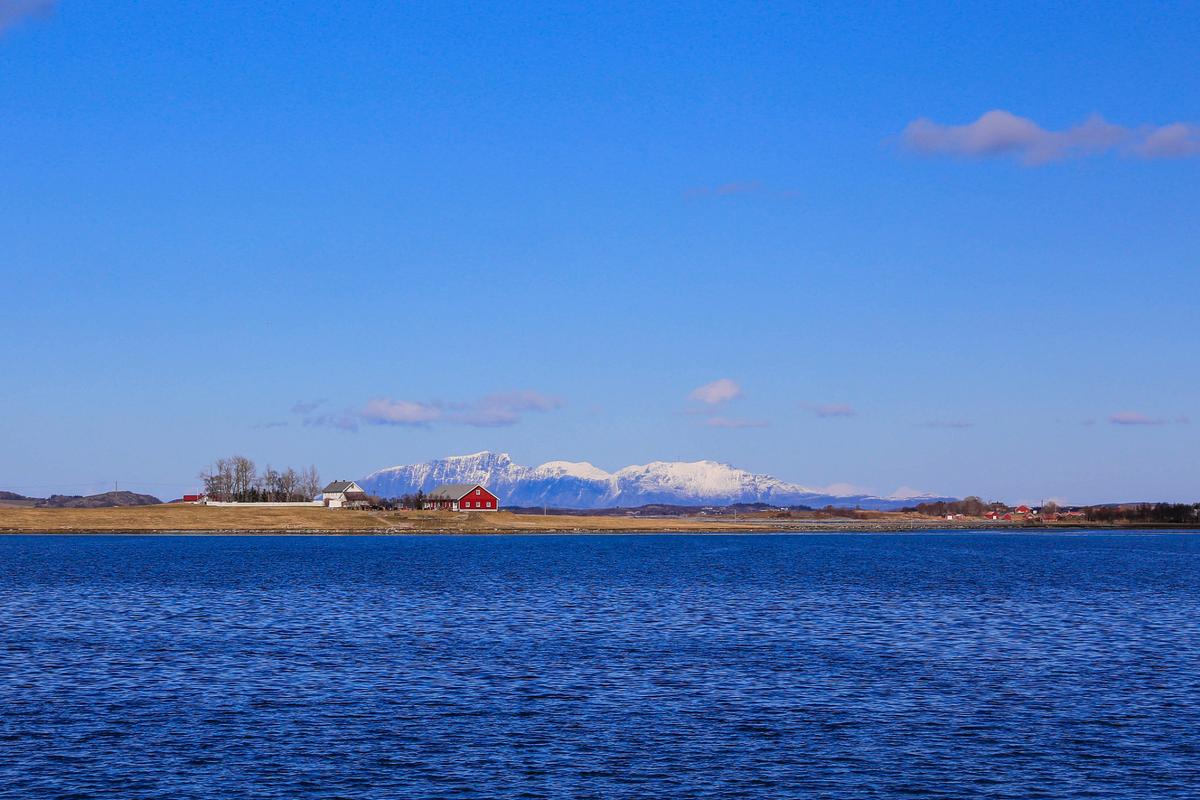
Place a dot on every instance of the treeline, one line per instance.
(1165, 513)
(237, 480)
(1187, 513)
(408, 502)
(969, 506)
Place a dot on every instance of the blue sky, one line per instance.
(376, 234)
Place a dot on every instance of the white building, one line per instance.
(340, 494)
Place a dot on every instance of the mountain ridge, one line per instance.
(582, 485)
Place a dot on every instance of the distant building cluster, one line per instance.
(235, 481)
(1025, 513)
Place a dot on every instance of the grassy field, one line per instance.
(180, 518)
(190, 518)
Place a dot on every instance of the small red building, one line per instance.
(461, 497)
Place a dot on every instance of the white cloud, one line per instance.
(725, 189)
(343, 422)
(719, 391)
(1177, 140)
(383, 411)
(495, 410)
(949, 424)
(1135, 418)
(728, 422)
(1001, 133)
(503, 409)
(827, 410)
(307, 406)
(13, 11)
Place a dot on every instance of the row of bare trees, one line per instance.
(969, 506)
(236, 479)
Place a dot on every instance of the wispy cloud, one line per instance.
(1001, 133)
(1177, 140)
(740, 189)
(266, 426)
(311, 416)
(13, 11)
(829, 410)
(730, 422)
(725, 189)
(307, 406)
(949, 424)
(498, 410)
(713, 397)
(383, 411)
(344, 421)
(495, 410)
(718, 392)
(1138, 418)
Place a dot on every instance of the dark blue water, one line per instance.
(956, 665)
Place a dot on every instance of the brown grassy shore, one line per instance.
(178, 518)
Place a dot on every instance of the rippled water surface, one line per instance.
(940, 665)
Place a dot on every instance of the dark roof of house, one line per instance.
(451, 491)
(338, 486)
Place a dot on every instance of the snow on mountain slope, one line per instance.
(568, 484)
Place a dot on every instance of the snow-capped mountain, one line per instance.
(570, 484)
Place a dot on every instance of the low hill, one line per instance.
(14, 500)
(105, 500)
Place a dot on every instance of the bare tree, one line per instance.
(245, 478)
(218, 480)
(289, 485)
(973, 506)
(236, 479)
(309, 483)
(270, 485)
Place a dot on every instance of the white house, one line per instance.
(343, 493)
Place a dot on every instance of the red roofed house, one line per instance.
(461, 497)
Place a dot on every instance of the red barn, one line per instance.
(461, 497)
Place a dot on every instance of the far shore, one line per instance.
(191, 519)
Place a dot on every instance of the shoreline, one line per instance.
(832, 531)
(178, 519)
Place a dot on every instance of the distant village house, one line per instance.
(343, 494)
(460, 497)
